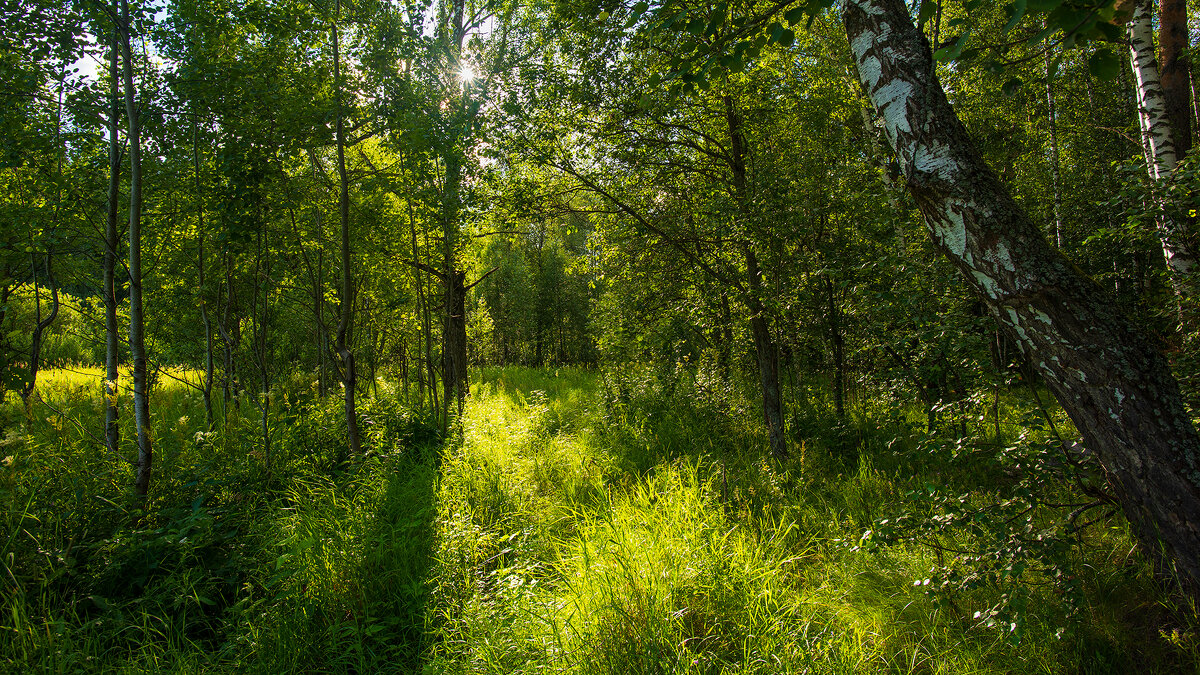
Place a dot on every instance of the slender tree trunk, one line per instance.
(346, 302)
(420, 314)
(430, 366)
(725, 352)
(838, 343)
(261, 352)
(375, 344)
(1158, 140)
(322, 333)
(1052, 121)
(112, 345)
(768, 360)
(1116, 388)
(206, 389)
(39, 328)
(40, 325)
(764, 344)
(1195, 112)
(454, 326)
(454, 337)
(229, 332)
(137, 337)
(318, 287)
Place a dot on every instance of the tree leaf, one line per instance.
(1016, 12)
(1104, 64)
(928, 10)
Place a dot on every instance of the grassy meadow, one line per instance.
(570, 521)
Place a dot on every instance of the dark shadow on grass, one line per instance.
(394, 576)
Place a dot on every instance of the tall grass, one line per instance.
(572, 522)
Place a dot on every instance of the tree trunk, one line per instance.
(137, 336)
(1115, 387)
(1052, 121)
(454, 374)
(317, 284)
(768, 374)
(205, 321)
(261, 351)
(230, 337)
(39, 328)
(112, 345)
(454, 336)
(1157, 140)
(839, 352)
(725, 353)
(346, 302)
(1176, 84)
(764, 345)
(420, 313)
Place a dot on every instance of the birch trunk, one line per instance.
(137, 336)
(1157, 139)
(1115, 387)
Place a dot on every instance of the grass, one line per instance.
(573, 522)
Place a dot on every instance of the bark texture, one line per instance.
(454, 318)
(1176, 83)
(1116, 389)
(1157, 138)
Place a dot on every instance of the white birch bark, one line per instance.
(1116, 388)
(1157, 139)
(1152, 106)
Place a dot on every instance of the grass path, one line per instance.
(575, 523)
(580, 537)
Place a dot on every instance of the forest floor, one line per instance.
(572, 522)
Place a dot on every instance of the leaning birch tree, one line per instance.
(1116, 388)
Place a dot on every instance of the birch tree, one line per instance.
(1158, 140)
(1115, 387)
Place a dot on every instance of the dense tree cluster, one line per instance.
(347, 192)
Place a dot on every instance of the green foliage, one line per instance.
(215, 569)
(576, 523)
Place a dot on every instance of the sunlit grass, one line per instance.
(573, 522)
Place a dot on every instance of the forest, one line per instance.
(599, 336)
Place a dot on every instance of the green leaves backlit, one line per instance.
(1067, 24)
(715, 42)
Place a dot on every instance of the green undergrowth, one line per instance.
(631, 525)
(574, 522)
